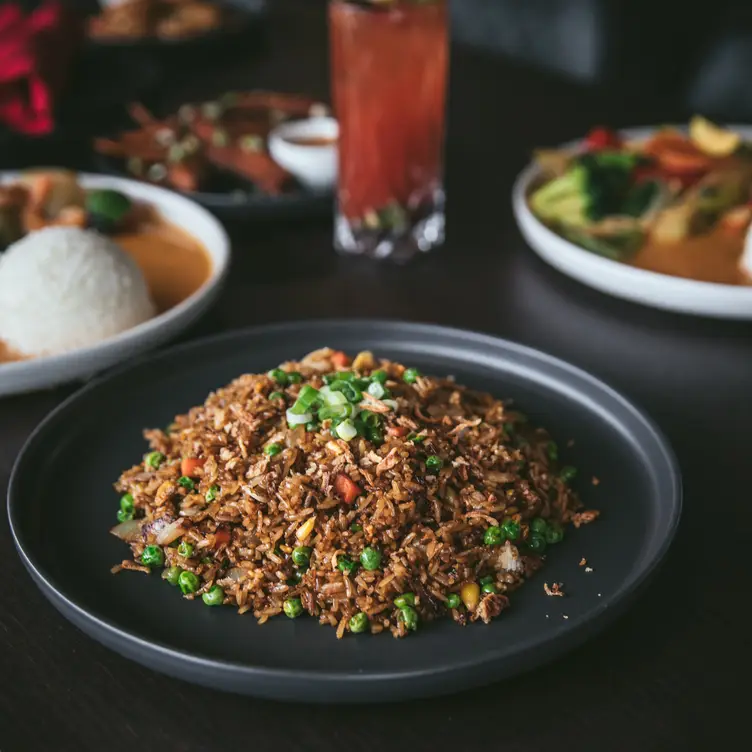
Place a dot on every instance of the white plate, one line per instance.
(46, 372)
(623, 281)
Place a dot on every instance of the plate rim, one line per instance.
(220, 671)
(627, 278)
(186, 311)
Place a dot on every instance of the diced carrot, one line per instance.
(347, 488)
(189, 465)
(396, 430)
(340, 359)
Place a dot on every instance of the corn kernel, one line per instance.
(470, 594)
(305, 529)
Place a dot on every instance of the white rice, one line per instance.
(63, 288)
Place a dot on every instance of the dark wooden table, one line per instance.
(667, 676)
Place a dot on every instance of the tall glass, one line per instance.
(389, 69)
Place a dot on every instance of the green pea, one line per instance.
(346, 564)
(494, 536)
(188, 582)
(185, 549)
(568, 473)
(434, 463)
(416, 439)
(124, 516)
(293, 377)
(379, 376)
(187, 482)
(153, 556)
(293, 608)
(172, 574)
(536, 543)
(214, 596)
(409, 617)
(554, 533)
(411, 375)
(301, 556)
(370, 558)
(552, 450)
(126, 503)
(538, 525)
(406, 599)
(272, 449)
(485, 580)
(511, 529)
(275, 396)
(453, 600)
(279, 376)
(355, 527)
(488, 587)
(359, 623)
(154, 459)
(211, 494)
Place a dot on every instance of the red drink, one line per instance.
(389, 70)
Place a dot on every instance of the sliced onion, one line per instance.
(170, 532)
(346, 430)
(391, 403)
(298, 420)
(376, 390)
(129, 531)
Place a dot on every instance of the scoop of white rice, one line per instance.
(62, 288)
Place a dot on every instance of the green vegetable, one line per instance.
(211, 494)
(616, 245)
(538, 525)
(434, 463)
(511, 529)
(213, 596)
(154, 459)
(301, 556)
(279, 376)
(494, 536)
(488, 587)
(355, 527)
(640, 198)
(293, 608)
(272, 449)
(552, 450)
(486, 579)
(406, 599)
(370, 558)
(185, 549)
(416, 439)
(152, 556)
(124, 516)
(126, 503)
(351, 392)
(409, 617)
(379, 376)
(172, 574)
(359, 623)
(411, 375)
(312, 426)
(305, 401)
(187, 482)
(346, 564)
(568, 473)
(293, 377)
(536, 543)
(453, 600)
(275, 396)
(554, 533)
(107, 208)
(188, 582)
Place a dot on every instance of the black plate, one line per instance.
(61, 505)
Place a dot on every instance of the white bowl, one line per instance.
(314, 166)
(619, 279)
(48, 371)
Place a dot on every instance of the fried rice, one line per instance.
(405, 499)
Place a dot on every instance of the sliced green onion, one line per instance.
(297, 419)
(275, 396)
(372, 420)
(346, 430)
(379, 376)
(376, 390)
(351, 393)
(391, 403)
(307, 396)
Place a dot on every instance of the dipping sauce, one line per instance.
(712, 257)
(311, 140)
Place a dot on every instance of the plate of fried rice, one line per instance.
(344, 511)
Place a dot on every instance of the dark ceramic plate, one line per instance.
(80, 449)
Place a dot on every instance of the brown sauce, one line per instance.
(713, 257)
(311, 140)
(172, 261)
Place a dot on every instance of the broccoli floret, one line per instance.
(563, 199)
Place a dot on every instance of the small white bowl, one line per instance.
(45, 372)
(315, 166)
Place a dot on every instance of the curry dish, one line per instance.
(675, 203)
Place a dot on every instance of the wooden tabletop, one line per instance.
(666, 676)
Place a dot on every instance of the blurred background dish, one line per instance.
(169, 234)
